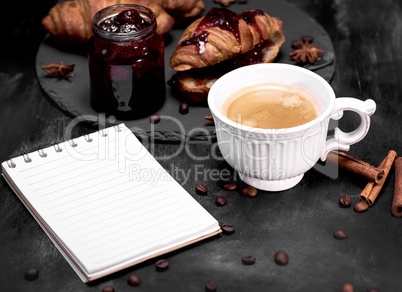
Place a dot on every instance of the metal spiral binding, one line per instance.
(103, 133)
(11, 163)
(117, 128)
(57, 148)
(72, 143)
(87, 138)
(27, 159)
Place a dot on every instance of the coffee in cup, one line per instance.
(272, 106)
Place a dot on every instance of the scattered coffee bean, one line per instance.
(347, 288)
(31, 274)
(230, 186)
(154, 119)
(308, 39)
(133, 280)
(220, 201)
(183, 108)
(360, 206)
(372, 290)
(108, 289)
(340, 234)
(228, 228)
(249, 192)
(344, 201)
(201, 189)
(210, 286)
(248, 260)
(225, 3)
(209, 118)
(162, 264)
(281, 258)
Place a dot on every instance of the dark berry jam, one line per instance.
(226, 20)
(216, 17)
(249, 17)
(126, 62)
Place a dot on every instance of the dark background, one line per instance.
(367, 37)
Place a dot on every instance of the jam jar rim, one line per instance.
(124, 35)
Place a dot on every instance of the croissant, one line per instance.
(180, 9)
(71, 21)
(207, 50)
(238, 35)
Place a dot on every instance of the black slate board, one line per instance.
(72, 95)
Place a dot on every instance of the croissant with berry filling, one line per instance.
(219, 42)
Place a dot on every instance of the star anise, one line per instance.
(304, 52)
(59, 70)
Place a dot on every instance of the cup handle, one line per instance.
(342, 140)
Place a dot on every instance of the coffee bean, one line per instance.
(347, 288)
(249, 192)
(183, 108)
(31, 274)
(248, 260)
(162, 264)
(360, 206)
(209, 118)
(133, 280)
(225, 3)
(154, 119)
(344, 201)
(340, 234)
(372, 290)
(201, 189)
(230, 186)
(108, 289)
(228, 228)
(220, 201)
(281, 258)
(210, 286)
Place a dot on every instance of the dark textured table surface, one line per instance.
(367, 38)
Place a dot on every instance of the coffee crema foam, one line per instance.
(272, 106)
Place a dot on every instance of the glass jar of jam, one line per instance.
(126, 62)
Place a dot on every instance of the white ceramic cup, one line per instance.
(276, 159)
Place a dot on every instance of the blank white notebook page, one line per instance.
(108, 201)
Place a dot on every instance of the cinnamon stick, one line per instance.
(397, 199)
(355, 165)
(366, 192)
(386, 165)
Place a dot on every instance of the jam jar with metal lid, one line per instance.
(126, 62)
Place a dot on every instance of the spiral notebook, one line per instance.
(106, 203)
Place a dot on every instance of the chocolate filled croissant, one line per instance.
(219, 42)
(71, 21)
